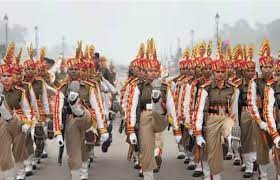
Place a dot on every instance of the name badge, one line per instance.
(149, 106)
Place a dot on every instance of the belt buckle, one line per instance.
(221, 111)
(149, 106)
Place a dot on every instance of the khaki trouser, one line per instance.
(29, 146)
(218, 127)
(149, 124)
(183, 146)
(19, 148)
(8, 131)
(262, 147)
(248, 131)
(159, 140)
(276, 158)
(75, 139)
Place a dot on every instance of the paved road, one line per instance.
(114, 166)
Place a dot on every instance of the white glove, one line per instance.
(104, 137)
(4, 110)
(32, 132)
(156, 84)
(277, 142)
(47, 119)
(75, 104)
(25, 129)
(72, 98)
(59, 139)
(200, 141)
(263, 126)
(133, 138)
(178, 138)
(45, 131)
(190, 132)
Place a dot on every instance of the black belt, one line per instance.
(214, 111)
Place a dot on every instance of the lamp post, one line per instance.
(217, 20)
(6, 23)
(192, 36)
(36, 40)
(63, 46)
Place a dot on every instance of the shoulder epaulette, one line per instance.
(206, 83)
(235, 81)
(137, 81)
(133, 80)
(175, 78)
(93, 81)
(20, 88)
(195, 81)
(270, 82)
(187, 78)
(27, 83)
(87, 83)
(166, 84)
(62, 85)
(182, 76)
(170, 81)
(39, 78)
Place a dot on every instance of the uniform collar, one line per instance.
(215, 85)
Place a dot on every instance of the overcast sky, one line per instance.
(117, 27)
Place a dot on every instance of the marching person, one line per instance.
(76, 101)
(42, 113)
(15, 120)
(271, 115)
(133, 79)
(177, 89)
(232, 145)
(148, 98)
(216, 113)
(18, 79)
(247, 125)
(203, 75)
(256, 90)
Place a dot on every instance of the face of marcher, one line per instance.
(17, 76)
(63, 67)
(74, 72)
(220, 74)
(85, 73)
(141, 73)
(277, 73)
(198, 72)
(43, 72)
(30, 72)
(249, 73)
(267, 71)
(191, 72)
(207, 71)
(230, 71)
(183, 71)
(152, 73)
(7, 80)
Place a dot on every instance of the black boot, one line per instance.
(39, 139)
(256, 166)
(243, 168)
(181, 156)
(156, 170)
(197, 174)
(247, 175)
(187, 161)
(191, 167)
(237, 162)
